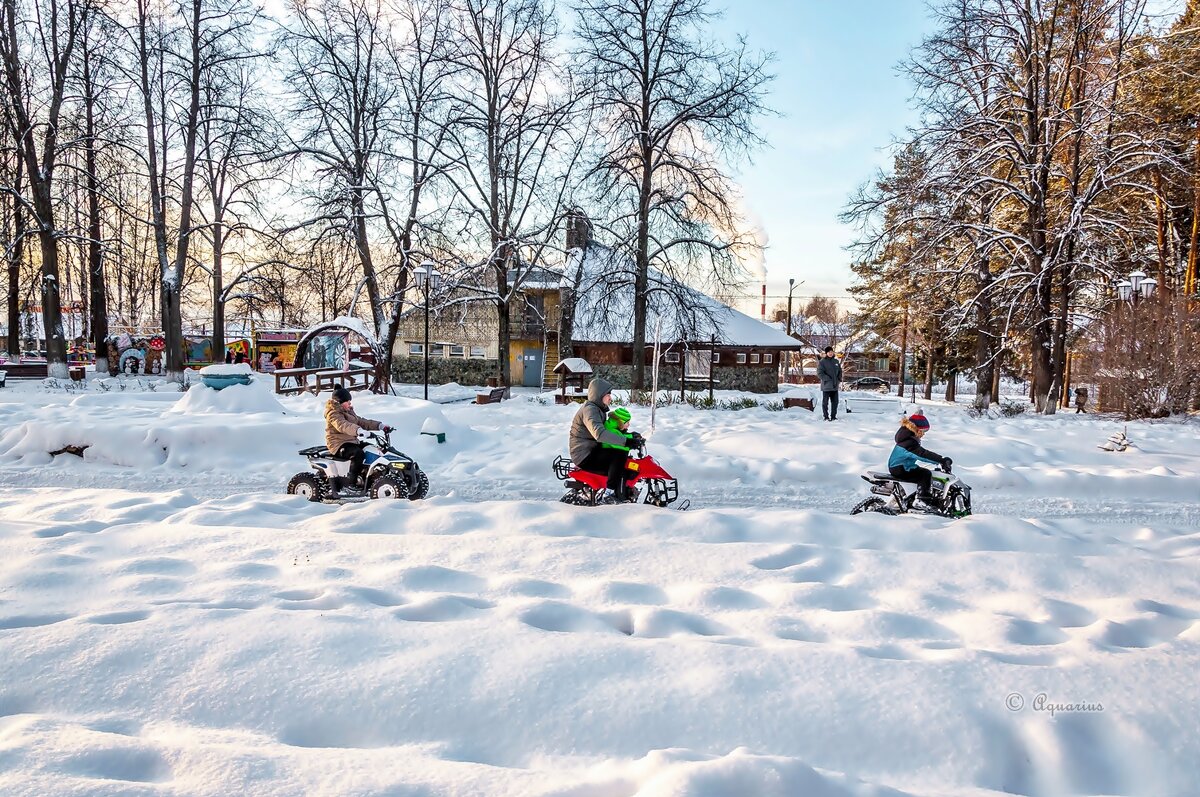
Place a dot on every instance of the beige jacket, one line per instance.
(341, 426)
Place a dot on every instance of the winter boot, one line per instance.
(606, 496)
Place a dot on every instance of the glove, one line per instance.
(388, 429)
(946, 463)
(636, 440)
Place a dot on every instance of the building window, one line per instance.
(753, 358)
(671, 356)
(478, 353)
(416, 349)
(716, 356)
(457, 351)
(741, 357)
(437, 350)
(768, 358)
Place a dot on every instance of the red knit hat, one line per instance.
(919, 421)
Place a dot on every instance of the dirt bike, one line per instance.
(951, 496)
(584, 488)
(387, 473)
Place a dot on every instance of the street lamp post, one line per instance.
(427, 278)
(792, 285)
(1135, 287)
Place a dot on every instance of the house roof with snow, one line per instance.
(603, 280)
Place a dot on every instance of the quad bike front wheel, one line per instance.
(422, 488)
(312, 486)
(388, 487)
(873, 504)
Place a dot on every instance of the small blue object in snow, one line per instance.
(222, 381)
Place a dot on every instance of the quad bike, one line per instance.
(951, 497)
(584, 487)
(386, 473)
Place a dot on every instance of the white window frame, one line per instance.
(741, 358)
(671, 356)
(457, 351)
(478, 353)
(754, 358)
(768, 358)
(416, 349)
(716, 356)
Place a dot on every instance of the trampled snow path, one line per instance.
(221, 638)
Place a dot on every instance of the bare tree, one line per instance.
(14, 239)
(238, 142)
(511, 139)
(674, 103)
(43, 35)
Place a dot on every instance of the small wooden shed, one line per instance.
(574, 373)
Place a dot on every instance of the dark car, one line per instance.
(871, 383)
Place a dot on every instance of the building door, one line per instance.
(532, 359)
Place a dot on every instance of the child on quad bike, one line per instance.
(599, 449)
(902, 464)
(618, 422)
(342, 426)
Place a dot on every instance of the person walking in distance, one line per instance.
(829, 370)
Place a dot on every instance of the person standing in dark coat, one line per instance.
(829, 371)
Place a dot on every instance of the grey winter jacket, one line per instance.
(829, 370)
(587, 428)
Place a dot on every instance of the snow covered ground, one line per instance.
(172, 624)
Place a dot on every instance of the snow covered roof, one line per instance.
(573, 365)
(604, 307)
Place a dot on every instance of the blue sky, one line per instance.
(841, 103)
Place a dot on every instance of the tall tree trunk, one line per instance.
(171, 310)
(641, 281)
(218, 287)
(173, 279)
(1193, 272)
(99, 291)
(52, 324)
(903, 352)
(16, 251)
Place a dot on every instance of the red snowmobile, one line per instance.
(584, 487)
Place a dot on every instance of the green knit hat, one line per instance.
(621, 414)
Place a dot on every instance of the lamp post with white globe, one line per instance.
(428, 278)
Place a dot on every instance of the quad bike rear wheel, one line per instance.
(873, 504)
(578, 497)
(312, 486)
(388, 487)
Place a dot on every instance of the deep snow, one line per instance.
(171, 623)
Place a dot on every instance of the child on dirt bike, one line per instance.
(902, 464)
(342, 426)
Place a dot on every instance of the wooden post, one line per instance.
(712, 372)
(1066, 391)
(683, 373)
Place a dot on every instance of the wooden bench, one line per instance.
(353, 379)
(299, 378)
(26, 370)
(856, 402)
(493, 396)
(803, 403)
